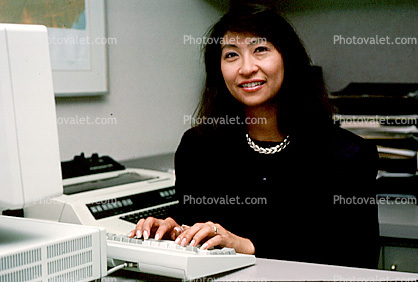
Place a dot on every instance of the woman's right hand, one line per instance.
(158, 228)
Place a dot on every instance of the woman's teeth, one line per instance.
(252, 84)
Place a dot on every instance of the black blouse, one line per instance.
(312, 202)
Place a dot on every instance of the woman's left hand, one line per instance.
(213, 234)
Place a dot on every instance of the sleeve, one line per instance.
(189, 169)
(197, 178)
(182, 160)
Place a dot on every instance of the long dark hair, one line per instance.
(302, 98)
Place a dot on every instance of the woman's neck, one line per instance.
(262, 123)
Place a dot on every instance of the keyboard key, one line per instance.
(119, 238)
(204, 252)
(228, 251)
(192, 249)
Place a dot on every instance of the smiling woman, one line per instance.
(255, 67)
(296, 159)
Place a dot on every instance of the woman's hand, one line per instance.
(157, 228)
(212, 235)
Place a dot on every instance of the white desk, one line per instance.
(268, 270)
(277, 270)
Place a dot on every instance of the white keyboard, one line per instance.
(163, 257)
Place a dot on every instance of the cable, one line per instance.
(110, 271)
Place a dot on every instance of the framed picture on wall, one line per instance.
(77, 41)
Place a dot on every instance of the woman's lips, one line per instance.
(251, 86)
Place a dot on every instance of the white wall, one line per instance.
(343, 64)
(154, 80)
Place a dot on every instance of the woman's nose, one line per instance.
(248, 66)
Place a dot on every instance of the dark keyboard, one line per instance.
(161, 212)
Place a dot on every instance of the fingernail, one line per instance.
(157, 236)
(183, 242)
(131, 234)
(138, 234)
(192, 243)
(204, 246)
(177, 229)
(145, 233)
(177, 240)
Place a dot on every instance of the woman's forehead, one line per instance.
(236, 38)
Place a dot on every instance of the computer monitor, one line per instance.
(29, 150)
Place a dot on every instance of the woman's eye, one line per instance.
(261, 49)
(230, 55)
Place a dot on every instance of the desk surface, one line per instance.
(266, 269)
(277, 270)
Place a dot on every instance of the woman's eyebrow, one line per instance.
(229, 46)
